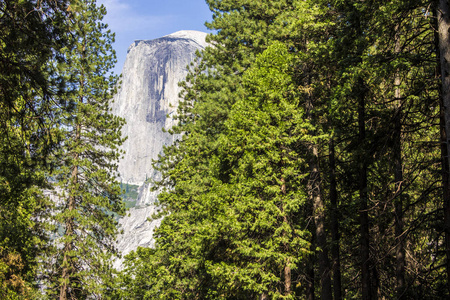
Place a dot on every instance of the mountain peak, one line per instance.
(149, 95)
(197, 36)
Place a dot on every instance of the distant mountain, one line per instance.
(149, 92)
(147, 99)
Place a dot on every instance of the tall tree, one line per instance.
(31, 38)
(266, 135)
(443, 27)
(87, 194)
(397, 61)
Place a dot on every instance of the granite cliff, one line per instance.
(148, 94)
(147, 99)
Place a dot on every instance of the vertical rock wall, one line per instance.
(148, 96)
(148, 93)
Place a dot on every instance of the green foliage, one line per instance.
(87, 194)
(203, 249)
(56, 128)
(287, 87)
(32, 36)
(129, 194)
(265, 138)
(309, 129)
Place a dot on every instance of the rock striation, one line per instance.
(147, 98)
(148, 94)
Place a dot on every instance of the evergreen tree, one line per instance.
(31, 38)
(87, 195)
(266, 141)
(442, 15)
(192, 166)
(400, 98)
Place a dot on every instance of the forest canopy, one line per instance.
(313, 163)
(314, 160)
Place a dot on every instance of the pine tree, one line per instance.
(31, 37)
(87, 194)
(443, 38)
(193, 172)
(266, 139)
(398, 49)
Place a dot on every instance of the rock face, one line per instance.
(147, 98)
(148, 94)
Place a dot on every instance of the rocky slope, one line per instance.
(147, 99)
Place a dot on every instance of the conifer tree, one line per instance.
(266, 142)
(87, 194)
(394, 132)
(31, 37)
(192, 171)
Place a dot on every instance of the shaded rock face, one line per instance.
(147, 99)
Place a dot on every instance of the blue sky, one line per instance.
(149, 19)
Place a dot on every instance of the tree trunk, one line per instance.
(287, 278)
(335, 253)
(443, 19)
(445, 191)
(67, 264)
(319, 220)
(315, 194)
(398, 181)
(309, 270)
(366, 280)
(287, 266)
(70, 224)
